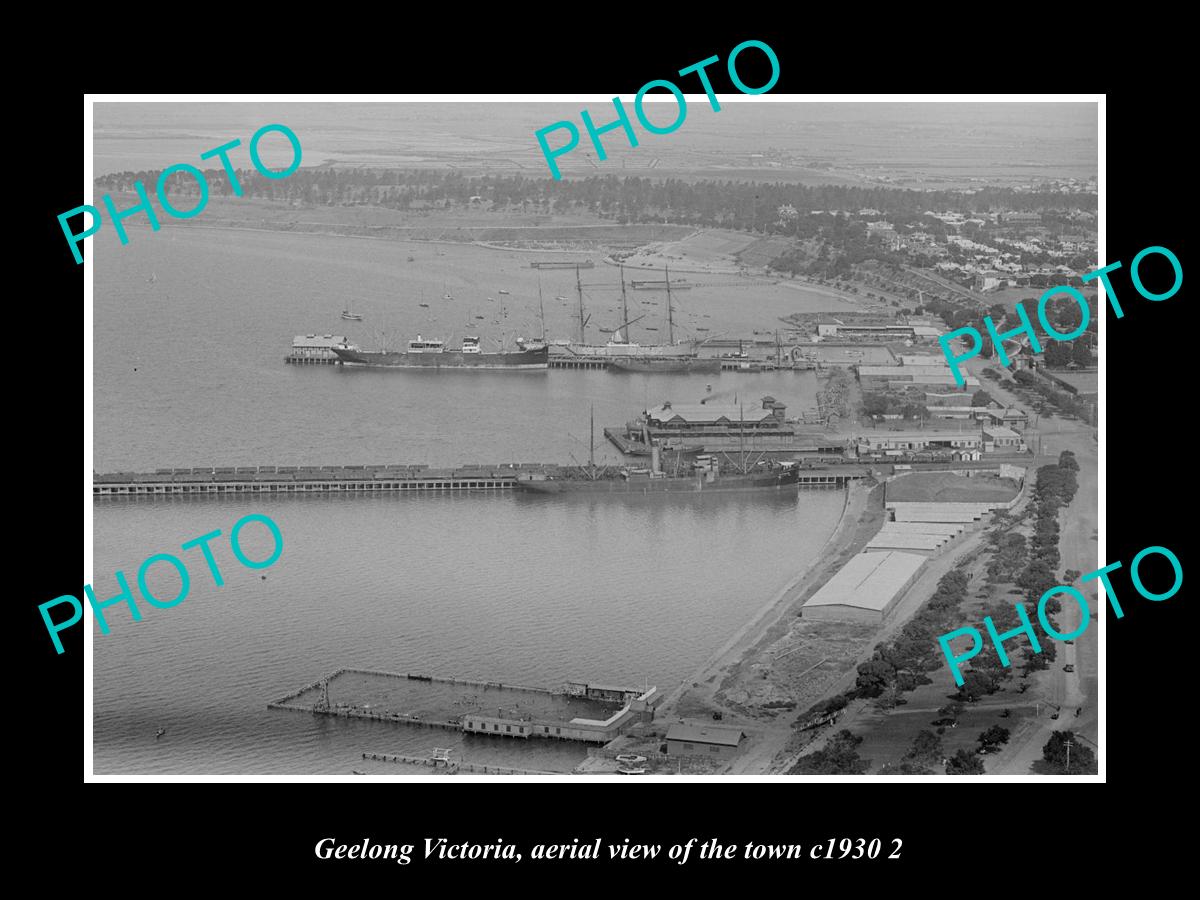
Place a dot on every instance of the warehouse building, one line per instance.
(928, 439)
(701, 739)
(866, 588)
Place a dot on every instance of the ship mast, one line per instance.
(624, 306)
(742, 436)
(541, 308)
(579, 289)
(670, 321)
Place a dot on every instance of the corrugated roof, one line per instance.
(707, 412)
(696, 733)
(950, 528)
(891, 540)
(869, 580)
(937, 515)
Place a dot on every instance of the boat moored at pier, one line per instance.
(433, 354)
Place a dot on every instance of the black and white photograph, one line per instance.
(485, 437)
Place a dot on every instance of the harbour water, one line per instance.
(531, 590)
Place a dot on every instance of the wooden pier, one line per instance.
(577, 362)
(578, 712)
(454, 766)
(359, 480)
(299, 360)
(308, 480)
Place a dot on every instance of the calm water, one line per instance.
(188, 370)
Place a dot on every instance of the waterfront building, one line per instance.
(686, 738)
(682, 418)
(883, 441)
(866, 588)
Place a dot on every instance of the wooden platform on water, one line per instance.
(218, 480)
(579, 712)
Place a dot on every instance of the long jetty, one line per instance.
(390, 479)
(454, 766)
(314, 479)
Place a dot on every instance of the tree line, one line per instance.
(742, 205)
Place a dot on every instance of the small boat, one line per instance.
(702, 329)
(152, 279)
(627, 770)
(410, 259)
(648, 328)
(346, 314)
(491, 299)
(357, 772)
(479, 318)
(563, 299)
(423, 305)
(502, 291)
(159, 733)
(630, 758)
(447, 297)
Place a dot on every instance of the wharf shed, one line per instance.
(866, 588)
(686, 738)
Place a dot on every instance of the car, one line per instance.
(1068, 642)
(1054, 715)
(1068, 668)
(1006, 714)
(949, 722)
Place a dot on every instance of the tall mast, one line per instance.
(624, 307)
(541, 308)
(670, 321)
(742, 436)
(592, 440)
(579, 289)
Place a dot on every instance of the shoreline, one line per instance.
(746, 638)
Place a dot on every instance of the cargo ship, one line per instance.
(434, 354)
(704, 476)
(683, 365)
(671, 471)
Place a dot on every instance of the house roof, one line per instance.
(697, 733)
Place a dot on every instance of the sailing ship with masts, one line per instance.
(624, 354)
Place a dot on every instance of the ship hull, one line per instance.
(449, 359)
(629, 351)
(696, 484)
(684, 366)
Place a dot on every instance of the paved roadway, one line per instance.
(1078, 547)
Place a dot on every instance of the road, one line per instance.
(1078, 549)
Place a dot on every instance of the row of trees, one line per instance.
(839, 756)
(900, 665)
(1065, 401)
(745, 205)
